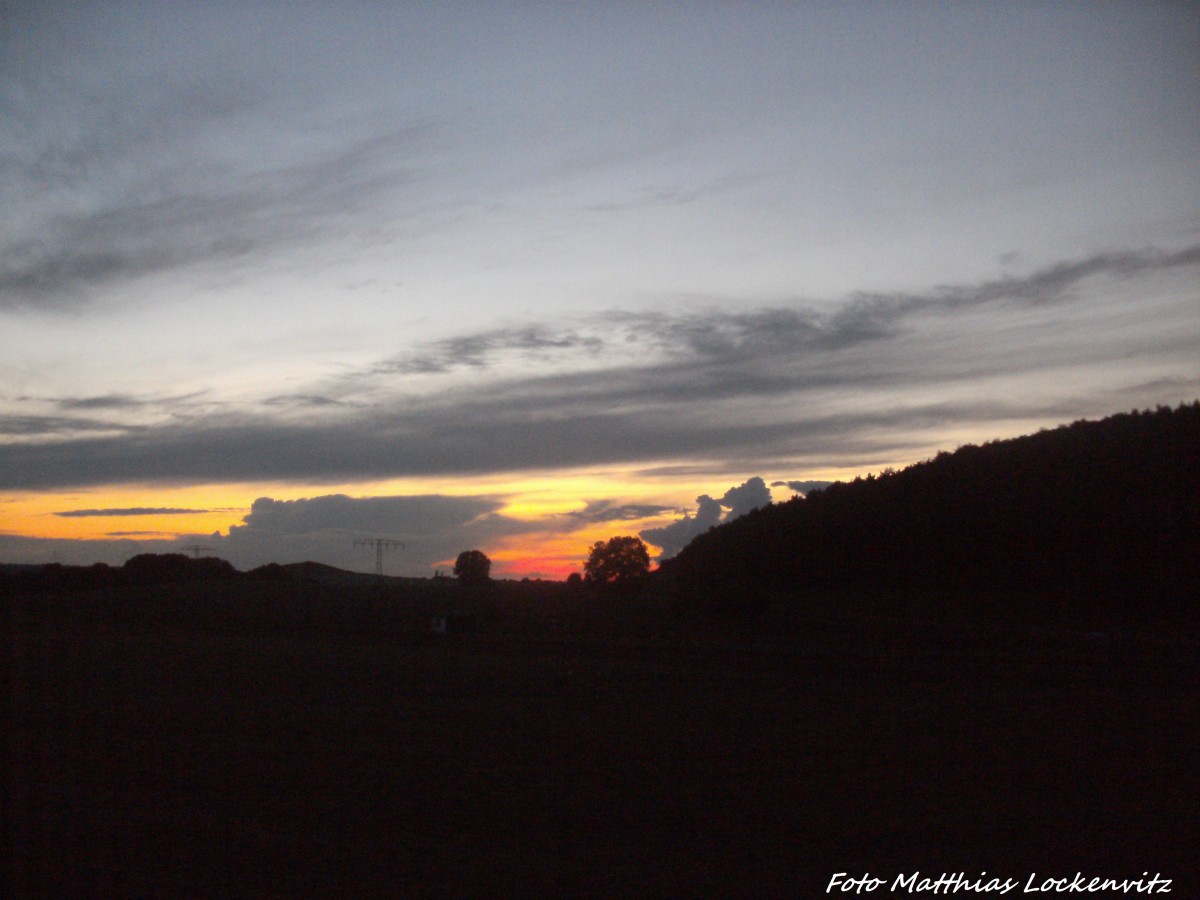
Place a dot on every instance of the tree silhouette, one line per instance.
(619, 560)
(473, 567)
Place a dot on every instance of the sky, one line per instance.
(519, 277)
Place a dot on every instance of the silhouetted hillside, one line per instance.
(171, 568)
(145, 568)
(314, 572)
(1095, 517)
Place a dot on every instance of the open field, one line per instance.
(266, 739)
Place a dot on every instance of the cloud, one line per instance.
(868, 317)
(448, 439)
(389, 516)
(610, 511)
(515, 432)
(674, 537)
(480, 350)
(106, 401)
(132, 511)
(1055, 282)
(188, 218)
(304, 401)
(118, 407)
(22, 426)
(432, 529)
(778, 387)
(748, 496)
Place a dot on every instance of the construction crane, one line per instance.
(381, 546)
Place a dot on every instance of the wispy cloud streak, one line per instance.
(129, 511)
(192, 219)
(478, 351)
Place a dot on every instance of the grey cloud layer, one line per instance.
(868, 317)
(15, 426)
(387, 515)
(477, 351)
(702, 386)
(105, 401)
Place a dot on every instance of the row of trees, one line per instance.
(618, 561)
(145, 568)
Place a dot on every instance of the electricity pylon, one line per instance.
(380, 545)
(195, 550)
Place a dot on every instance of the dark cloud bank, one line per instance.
(772, 388)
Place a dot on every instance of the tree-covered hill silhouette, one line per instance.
(1097, 520)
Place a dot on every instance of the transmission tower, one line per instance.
(196, 549)
(381, 545)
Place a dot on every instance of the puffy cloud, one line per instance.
(674, 537)
(432, 529)
(746, 497)
(750, 495)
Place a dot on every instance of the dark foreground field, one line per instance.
(267, 740)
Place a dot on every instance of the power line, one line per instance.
(381, 545)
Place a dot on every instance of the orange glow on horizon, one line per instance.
(555, 545)
(104, 514)
(555, 555)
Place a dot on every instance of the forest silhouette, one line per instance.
(1089, 522)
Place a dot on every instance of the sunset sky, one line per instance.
(521, 276)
